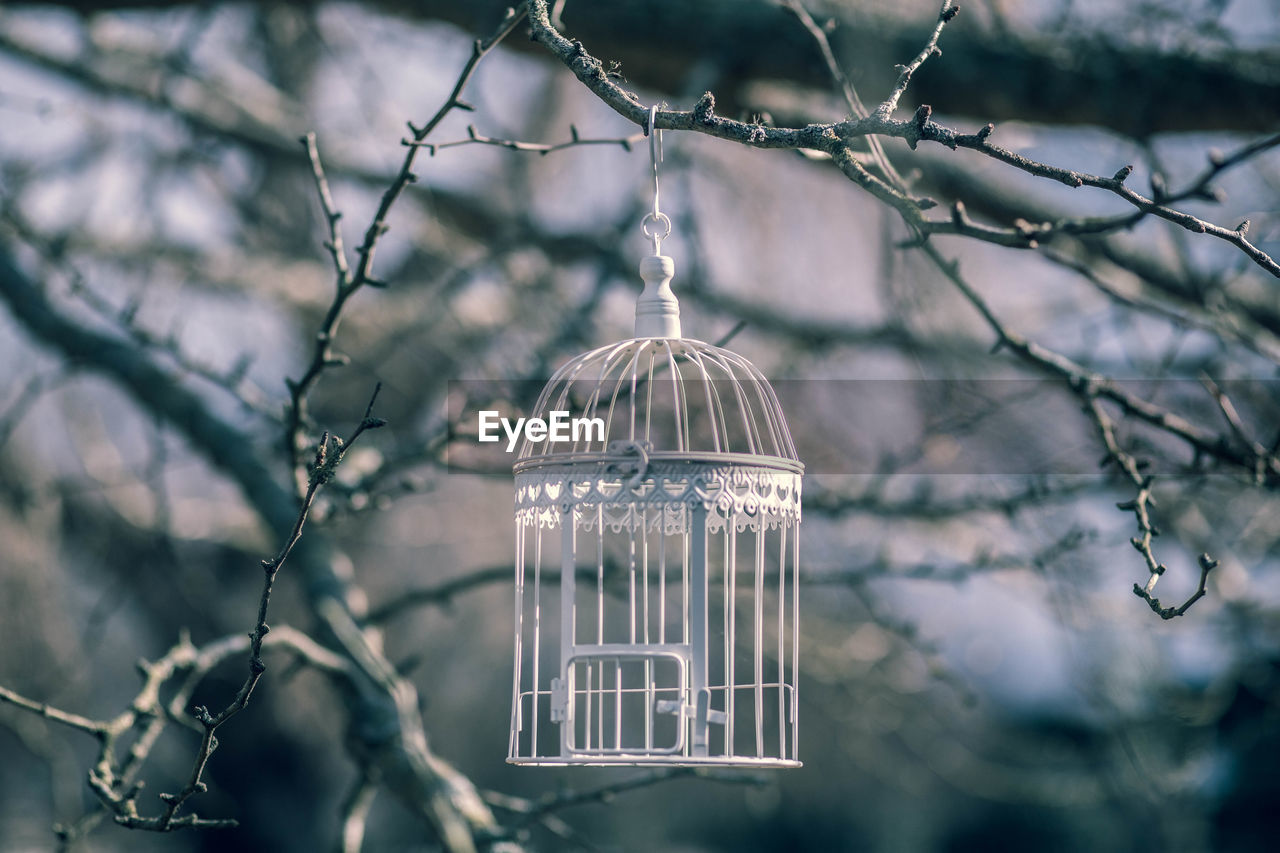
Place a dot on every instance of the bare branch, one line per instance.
(440, 594)
(332, 215)
(326, 463)
(431, 785)
(838, 505)
(115, 781)
(378, 226)
(231, 381)
(543, 808)
(1115, 185)
(1090, 387)
(350, 282)
(832, 139)
(1219, 163)
(844, 84)
(75, 721)
(1241, 432)
(574, 141)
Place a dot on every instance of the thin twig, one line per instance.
(842, 81)
(378, 226)
(75, 721)
(536, 808)
(1091, 388)
(890, 103)
(1241, 432)
(332, 214)
(350, 282)
(328, 456)
(1219, 163)
(476, 138)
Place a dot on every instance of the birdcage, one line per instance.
(656, 560)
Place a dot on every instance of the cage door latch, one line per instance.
(680, 707)
(559, 700)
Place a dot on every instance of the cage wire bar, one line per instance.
(656, 565)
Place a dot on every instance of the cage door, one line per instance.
(623, 699)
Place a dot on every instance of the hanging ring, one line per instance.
(656, 225)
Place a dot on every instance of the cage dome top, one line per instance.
(661, 396)
(668, 399)
(660, 421)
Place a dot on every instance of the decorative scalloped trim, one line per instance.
(745, 497)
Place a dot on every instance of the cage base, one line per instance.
(655, 760)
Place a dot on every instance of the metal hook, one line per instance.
(661, 224)
(655, 139)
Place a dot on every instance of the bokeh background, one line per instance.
(976, 672)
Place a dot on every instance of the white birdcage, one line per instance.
(656, 560)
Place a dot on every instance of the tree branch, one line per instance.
(833, 138)
(350, 282)
(326, 463)
(476, 138)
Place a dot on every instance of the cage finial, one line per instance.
(657, 309)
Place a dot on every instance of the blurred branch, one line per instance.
(843, 83)
(75, 721)
(355, 812)
(332, 215)
(429, 785)
(123, 803)
(1090, 388)
(1241, 432)
(1201, 186)
(924, 506)
(542, 809)
(1109, 80)
(53, 255)
(1257, 340)
(442, 593)
(32, 390)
